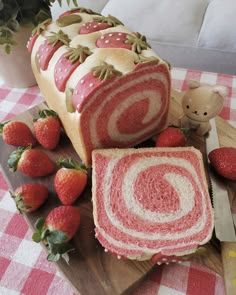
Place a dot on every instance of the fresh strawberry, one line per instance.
(50, 46)
(34, 163)
(70, 180)
(67, 63)
(47, 129)
(56, 230)
(171, 137)
(17, 133)
(29, 197)
(113, 40)
(224, 161)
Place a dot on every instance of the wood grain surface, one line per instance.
(91, 268)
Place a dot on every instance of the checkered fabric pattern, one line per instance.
(23, 265)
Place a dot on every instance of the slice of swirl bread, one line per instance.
(151, 203)
(107, 85)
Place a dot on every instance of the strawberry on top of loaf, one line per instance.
(109, 88)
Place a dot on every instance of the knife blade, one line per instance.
(223, 219)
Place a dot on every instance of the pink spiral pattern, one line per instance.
(127, 110)
(154, 201)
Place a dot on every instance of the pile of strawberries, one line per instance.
(70, 179)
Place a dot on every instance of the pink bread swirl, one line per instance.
(151, 202)
(107, 85)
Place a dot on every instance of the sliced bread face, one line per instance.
(150, 202)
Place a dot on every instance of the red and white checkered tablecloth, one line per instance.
(23, 265)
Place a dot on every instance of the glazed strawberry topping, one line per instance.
(103, 73)
(46, 52)
(93, 26)
(84, 88)
(36, 32)
(50, 46)
(113, 40)
(67, 63)
(63, 70)
(31, 42)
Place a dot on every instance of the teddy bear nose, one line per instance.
(195, 112)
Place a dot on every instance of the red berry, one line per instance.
(70, 181)
(224, 161)
(171, 137)
(64, 218)
(17, 133)
(47, 129)
(57, 229)
(34, 163)
(29, 197)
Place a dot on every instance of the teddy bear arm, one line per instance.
(203, 128)
(184, 121)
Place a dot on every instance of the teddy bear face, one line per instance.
(201, 104)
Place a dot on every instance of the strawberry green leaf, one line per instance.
(70, 164)
(39, 224)
(36, 237)
(45, 233)
(47, 113)
(15, 157)
(56, 237)
(64, 248)
(53, 257)
(2, 124)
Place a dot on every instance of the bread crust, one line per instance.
(123, 60)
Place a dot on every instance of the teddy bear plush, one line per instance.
(201, 103)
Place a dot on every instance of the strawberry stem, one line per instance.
(47, 113)
(15, 157)
(70, 164)
(20, 205)
(2, 124)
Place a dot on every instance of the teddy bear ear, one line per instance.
(222, 90)
(193, 84)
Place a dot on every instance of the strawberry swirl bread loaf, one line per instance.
(107, 85)
(151, 203)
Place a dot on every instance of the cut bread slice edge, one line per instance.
(108, 161)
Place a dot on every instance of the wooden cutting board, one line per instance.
(91, 269)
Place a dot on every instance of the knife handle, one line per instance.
(228, 254)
